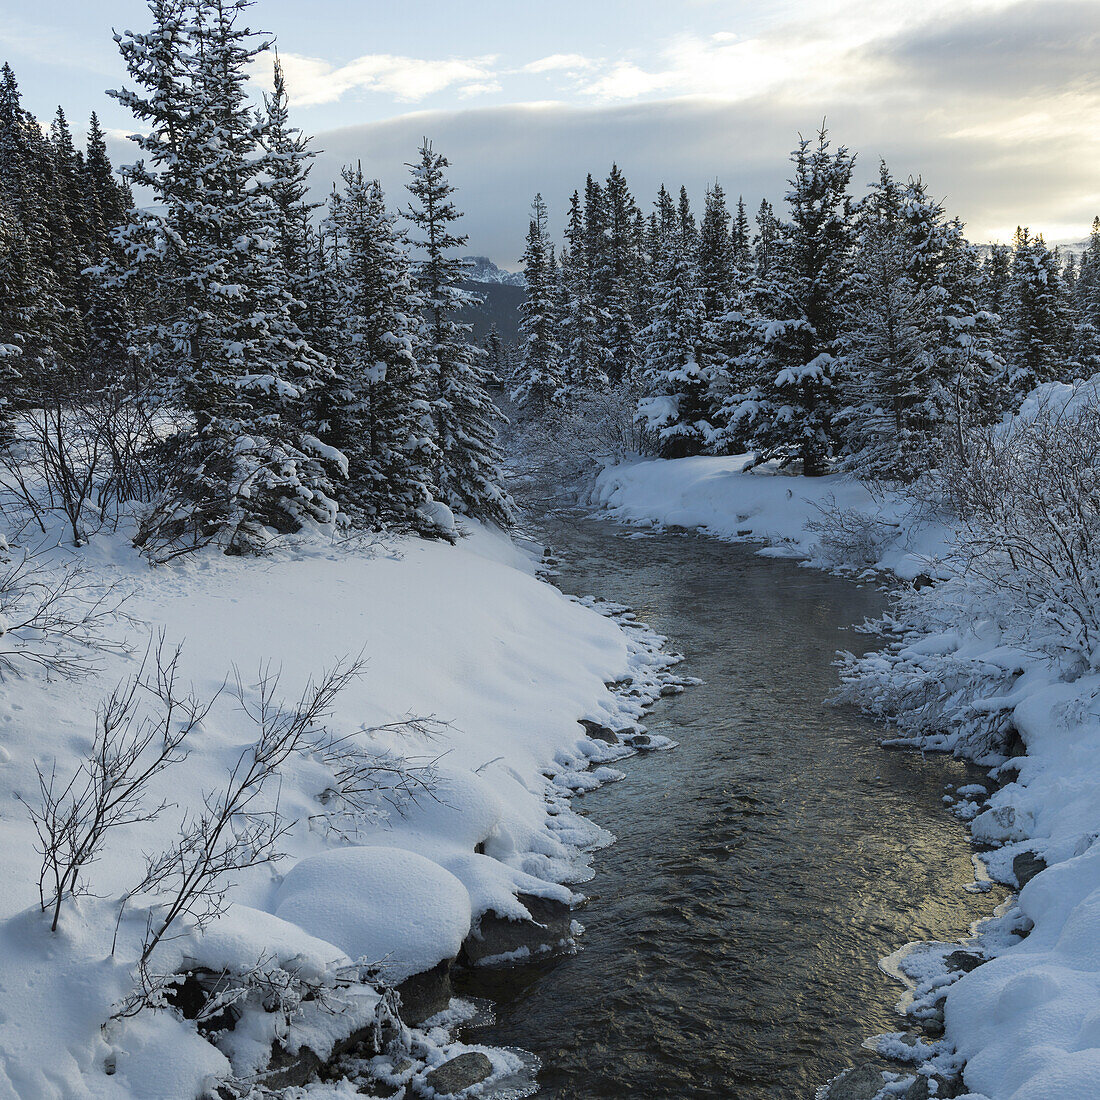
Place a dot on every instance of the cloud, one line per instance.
(570, 62)
(501, 156)
(627, 81)
(1026, 47)
(312, 81)
(485, 87)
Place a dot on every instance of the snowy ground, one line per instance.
(466, 635)
(717, 497)
(1027, 1023)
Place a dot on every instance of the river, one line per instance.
(761, 869)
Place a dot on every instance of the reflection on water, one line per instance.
(761, 870)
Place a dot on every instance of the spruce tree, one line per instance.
(580, 323)
(289, 159)
(1039, 324)
(496, 357)
(541, 378)
(619, 270)
(795, 396)
(223, 343)
(717, 253)
(467, 473)
(376, 408)
(36, 318)
(677, 405)
(739, 236)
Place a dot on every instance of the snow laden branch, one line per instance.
(368, 781)
(1025, 497)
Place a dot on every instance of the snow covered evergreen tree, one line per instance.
(677, 405)
(36, 318)
(222, 343)
(376, 409)
(717, 253)
(467, 475)
(542, 381)
(619, 269)
(739, 236)
(580, 323)
(1039, 326)
(789, 409)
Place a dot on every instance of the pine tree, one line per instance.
(717, 253)
(468, 473)
(223, 341)
(918, 347)
(107, 199)
(1085, 294)
(580, 323)
(541, 376)
(496, 357)
(689, 231)
(1039, 324)
(35, 317)
(792, 404)
(766, 243)
(739, 236)
(618, 274)
(677, 405)
(289, 158)
(376, 409)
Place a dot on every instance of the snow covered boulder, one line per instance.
(244, 937)
(384, 905)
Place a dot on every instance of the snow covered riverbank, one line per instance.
(715, 496)
(962, 679)
(498, 665)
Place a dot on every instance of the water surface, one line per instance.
(762, 868)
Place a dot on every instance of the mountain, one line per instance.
(482, 270)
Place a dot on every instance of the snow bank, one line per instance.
(467, 635)
(717, 496)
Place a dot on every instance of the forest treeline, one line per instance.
(296, 367)
(861, 333)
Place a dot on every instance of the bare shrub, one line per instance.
(851, 537)
(1025, 497)
(82, 458)
(54, 615)
(562, 443)
(107, 791)
(368, 781)
(231, 833)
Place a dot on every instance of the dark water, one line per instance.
(762, 869)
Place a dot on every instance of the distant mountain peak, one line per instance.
(482, 270)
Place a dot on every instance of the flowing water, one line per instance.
(762, 869)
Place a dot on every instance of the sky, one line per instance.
(995, 103)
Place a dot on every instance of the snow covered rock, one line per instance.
(382, 905)
(459, 1073)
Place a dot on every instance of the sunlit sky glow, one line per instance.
(995, 102)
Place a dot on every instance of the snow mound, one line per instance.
(383, 905)
(244, 936)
